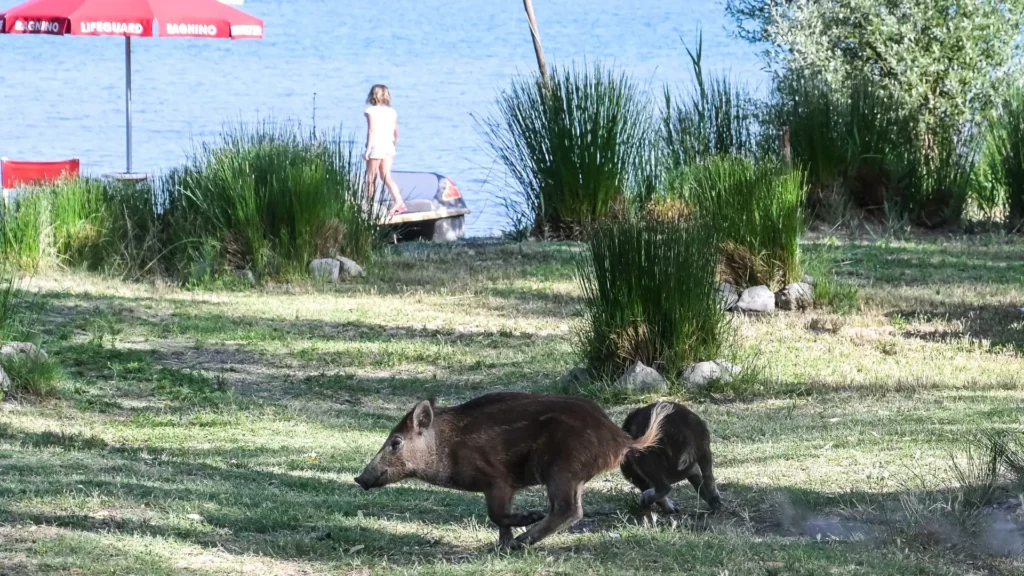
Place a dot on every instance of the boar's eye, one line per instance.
(396, 443)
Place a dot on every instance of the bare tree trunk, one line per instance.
(785, 148)
(535, 32)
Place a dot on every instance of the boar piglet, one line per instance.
(500, 443)
(683, 452)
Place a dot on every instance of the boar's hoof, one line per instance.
(531, 518)
(647, 498)
(512, 544)
(667, 506)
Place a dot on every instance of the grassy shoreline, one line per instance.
(213, 432)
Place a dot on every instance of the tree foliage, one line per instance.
(947, 60)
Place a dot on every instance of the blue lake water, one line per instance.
(445, 61)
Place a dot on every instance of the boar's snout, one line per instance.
(368, 479)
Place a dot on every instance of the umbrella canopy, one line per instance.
(130, 18)
(182, 18)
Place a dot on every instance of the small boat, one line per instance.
(436, 209)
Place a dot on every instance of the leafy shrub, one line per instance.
(649, 295)
(951, 76)
(267, 199)
(576, 146)
(758, 210)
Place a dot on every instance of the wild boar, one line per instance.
(684, 452)
(501, 443)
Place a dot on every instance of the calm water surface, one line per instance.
(444, 60)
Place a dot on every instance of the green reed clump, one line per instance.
(717, 117)
(576, 146)
(859, 147)
(757, 207)
(267, 198)
(849, 143)
(26, 239)
(649, 295)
(9, 302)
(81, 221)
(1001, 174)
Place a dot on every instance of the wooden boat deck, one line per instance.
(411, 217)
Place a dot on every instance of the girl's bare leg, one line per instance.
(385, 174)
(372, 168)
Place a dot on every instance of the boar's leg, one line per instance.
(566, 498)
(632, 473)
(499, 510)
(658, 494)
(648, 489)
(702, 478)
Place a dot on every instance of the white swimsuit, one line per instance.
(384, 121)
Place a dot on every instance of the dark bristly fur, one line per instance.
(683, 452)
(500, 443)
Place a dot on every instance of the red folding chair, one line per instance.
(17, 174)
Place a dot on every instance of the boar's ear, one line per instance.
(422, 416)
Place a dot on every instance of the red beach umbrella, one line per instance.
(131, 18)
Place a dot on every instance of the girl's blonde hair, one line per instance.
(379, 95)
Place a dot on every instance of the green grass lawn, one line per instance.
(217, 432)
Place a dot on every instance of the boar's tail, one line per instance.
(653, 434)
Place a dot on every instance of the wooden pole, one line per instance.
(785, 148)
(535, 32)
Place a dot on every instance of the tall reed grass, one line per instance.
(26, 239)
(9, 302)
(576, 146)
(847, 142)
(859, 147)
(267, 198)
(757, 207)
(85, 223)
(81, 220)
(1003, 159)
(649, 295)
(717, 117)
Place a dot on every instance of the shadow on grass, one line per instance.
(243, 510)
(980, 261)
(286, 517)
(994, 327)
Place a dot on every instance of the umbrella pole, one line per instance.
(128, 97)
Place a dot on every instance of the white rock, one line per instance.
(798, 296)
(349, 268)
(727, 296)
(728, 367)
(808, 279)
(326, 269)
(574, 380)
(5, 382)
(756, 299)
(642, 379)
(703, 373)
(246, 275)
(19, 348)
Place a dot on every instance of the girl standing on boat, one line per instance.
(381, 137)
